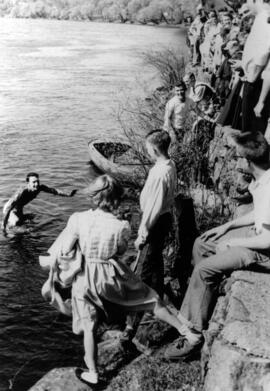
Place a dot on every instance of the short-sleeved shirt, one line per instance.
(260, 191)
(257, 46)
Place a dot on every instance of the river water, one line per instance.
(60, 84)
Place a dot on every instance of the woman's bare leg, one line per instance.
(90, 357)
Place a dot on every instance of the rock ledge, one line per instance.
(236, 355)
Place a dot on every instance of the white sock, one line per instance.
(91, 376)
(192, 337)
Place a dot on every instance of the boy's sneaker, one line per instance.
(183, 349)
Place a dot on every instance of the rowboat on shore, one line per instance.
(117, 158)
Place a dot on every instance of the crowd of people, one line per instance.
(232, 49)
(86, 256)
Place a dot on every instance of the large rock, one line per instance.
(236, 355)
(129, 369)
(111, 357)
(60, 379)
(148, 373)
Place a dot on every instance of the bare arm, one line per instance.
(54, 191)
(9, 206)
(263, 95)
(254, 71)
(243, 221)
(258, 242)
(168, 116)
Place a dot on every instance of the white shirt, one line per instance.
(257, 46)
(175, 112)
(157, 196)
(260, 191)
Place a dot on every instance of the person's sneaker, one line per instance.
(182, 349)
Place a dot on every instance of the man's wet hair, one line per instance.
(251, 146)
(31, 174)
(160, 139)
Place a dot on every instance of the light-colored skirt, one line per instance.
(105, 282)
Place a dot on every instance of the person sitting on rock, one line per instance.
(239, 244)
(104, 284)
(13, 209)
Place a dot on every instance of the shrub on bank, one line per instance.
(192, 154)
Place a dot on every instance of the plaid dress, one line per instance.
(104, 279)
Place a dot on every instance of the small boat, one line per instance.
(117, 158)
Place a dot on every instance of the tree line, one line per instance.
(134, 11)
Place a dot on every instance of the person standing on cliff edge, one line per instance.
(239, 244)
(13, 209)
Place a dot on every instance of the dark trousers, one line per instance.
(152, 269)
(251, 93)
(210, 268)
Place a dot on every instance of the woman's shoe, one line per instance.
(90, 377)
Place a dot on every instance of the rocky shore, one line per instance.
(236, 354)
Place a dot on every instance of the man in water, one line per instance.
(13, 209)
(175, 113)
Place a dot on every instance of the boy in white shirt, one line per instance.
(156, 201)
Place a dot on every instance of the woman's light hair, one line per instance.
(106, 193)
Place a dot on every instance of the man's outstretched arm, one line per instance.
(52, 190)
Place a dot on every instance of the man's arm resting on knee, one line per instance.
(256, 242)
(217, 232)
(52, 190)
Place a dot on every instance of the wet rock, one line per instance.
(154, 333)
(112, 356)
(60, 379)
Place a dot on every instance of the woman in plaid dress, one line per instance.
(105, 280)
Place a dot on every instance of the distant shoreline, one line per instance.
(100, 20)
